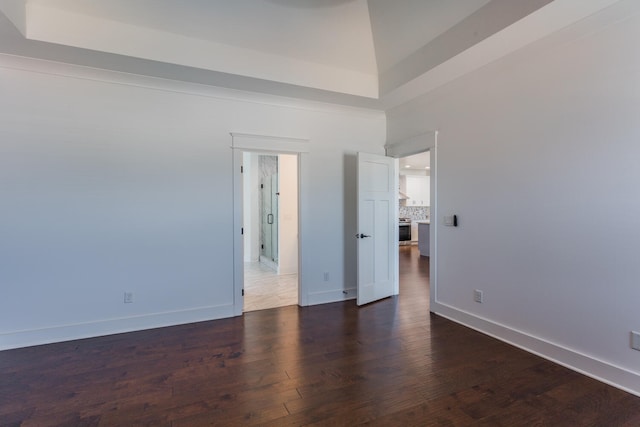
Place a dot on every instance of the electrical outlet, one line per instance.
(635, 340)
(128, 297)
(478, 296)
(326, 276)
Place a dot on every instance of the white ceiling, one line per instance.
(400, 28)
(334, 32)
(373, 54)
(420, 161)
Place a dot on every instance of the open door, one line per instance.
(377, 227)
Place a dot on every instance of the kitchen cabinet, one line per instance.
(414, 231)
(423, 237)
(418, 190)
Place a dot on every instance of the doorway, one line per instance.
(426, 142)
(414, 215)
(268, 144)
(414, 207)
(270, 217)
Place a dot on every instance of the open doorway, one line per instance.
(270, 217)
(414, 219)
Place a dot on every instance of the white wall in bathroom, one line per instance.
(288, 214)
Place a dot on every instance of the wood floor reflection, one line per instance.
(389, 363)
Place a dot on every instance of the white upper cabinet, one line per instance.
(418, 190)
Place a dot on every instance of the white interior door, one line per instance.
(377, 226)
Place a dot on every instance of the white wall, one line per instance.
(553, 245)
(112, 182)
(288, 214)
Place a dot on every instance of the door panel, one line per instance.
(377, 226)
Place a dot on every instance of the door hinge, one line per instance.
(261, 185)
(261, 246)
(241, 169)
(243, 292)
(242, 230)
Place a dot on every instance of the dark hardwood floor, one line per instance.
(389, 363)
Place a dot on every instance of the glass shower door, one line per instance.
(274, 221)
(269, 211)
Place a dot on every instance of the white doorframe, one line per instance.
(266, 144)
(419, 144)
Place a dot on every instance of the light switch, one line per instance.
(635, 340)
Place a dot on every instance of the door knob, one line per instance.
(362, 236)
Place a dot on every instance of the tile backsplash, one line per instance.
(414, 212)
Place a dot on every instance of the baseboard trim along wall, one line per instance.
(54, 334)
(602, 371)
(326, 297)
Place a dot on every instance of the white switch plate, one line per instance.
(128, 297)
(478, 296)
(635, 340)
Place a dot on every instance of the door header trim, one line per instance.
(284, 144)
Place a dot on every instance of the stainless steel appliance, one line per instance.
(404, 233)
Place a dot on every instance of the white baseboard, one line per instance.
(336, 295)
(600, 370)
(61, 333)
(269, 263)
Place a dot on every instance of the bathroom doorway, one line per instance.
(270, 211)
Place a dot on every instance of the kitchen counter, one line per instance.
(414, 223)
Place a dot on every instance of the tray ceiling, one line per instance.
(375, 52)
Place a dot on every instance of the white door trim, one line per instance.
(241, 142)
(418, 144)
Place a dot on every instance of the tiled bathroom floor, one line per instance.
(263, 288)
